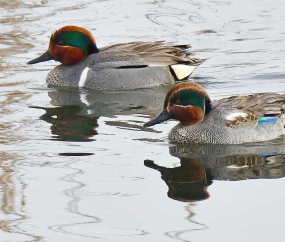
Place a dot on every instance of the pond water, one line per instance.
(76, 165)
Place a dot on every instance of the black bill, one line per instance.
(44, 57)
(163, 116)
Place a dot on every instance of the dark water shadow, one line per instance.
(103, 103)
(75, 114)
(200, 165)
(68, 125)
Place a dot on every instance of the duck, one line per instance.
(124, 66)
(233, 120)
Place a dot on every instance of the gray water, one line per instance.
(77, 165)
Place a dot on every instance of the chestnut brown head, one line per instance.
(186, 102)
(69, 45)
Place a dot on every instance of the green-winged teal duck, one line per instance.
(234, 120)
(116, 67)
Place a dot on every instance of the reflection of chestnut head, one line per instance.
(190, 192)
(186, 183)
(68, 125)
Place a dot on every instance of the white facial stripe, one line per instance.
(83, 77)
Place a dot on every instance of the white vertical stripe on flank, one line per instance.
(83, 77)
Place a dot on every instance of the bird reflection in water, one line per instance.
(75, 114)
(186, 183)
(201, 164)
(68, 125)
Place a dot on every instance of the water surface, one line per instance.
(76, 165)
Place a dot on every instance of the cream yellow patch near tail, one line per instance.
(182, 71)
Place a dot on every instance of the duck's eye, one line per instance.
(178, 102)
(60, 42)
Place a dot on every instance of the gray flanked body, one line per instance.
(126, 67)
(105, 74)
(215, 128)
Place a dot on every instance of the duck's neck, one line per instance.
(208, 106)
(92, 49)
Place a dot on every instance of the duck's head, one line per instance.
(68, 45)
(186, 102)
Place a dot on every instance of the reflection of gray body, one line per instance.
(201, 164)
(214, 129)
(100, 103)
(228, 162)
(77, 111)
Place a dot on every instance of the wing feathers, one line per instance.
(157, 53)
(260, 104)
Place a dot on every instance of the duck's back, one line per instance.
(127, 66)
(237, 120)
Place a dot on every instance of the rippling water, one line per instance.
(77, 165)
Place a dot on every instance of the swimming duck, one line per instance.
(116, 67)
(234, 120)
